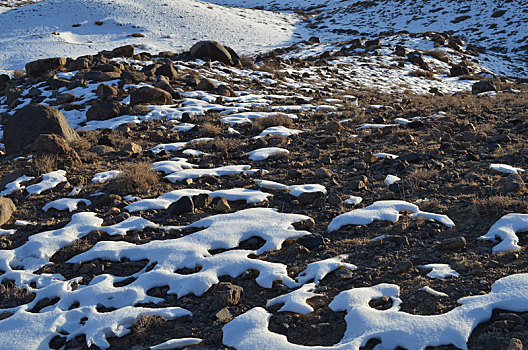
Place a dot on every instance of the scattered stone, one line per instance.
(104, 91)
(307, 198)
(181, 206)
(40, 67)
(457, 243)
(132, 148)
(402, 267)
(513, 184)
(344, 274)
(206, 85)
(202, 200)
(323, 173)
(7, 208)
(226, 294)
(105, 111)
(220, 204)
(312, 241)
(334, 127)
(483, 86)
(335, 200)
(65, 98)
(150, 95)
(224, 315)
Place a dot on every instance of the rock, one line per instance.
(101, 149)
(66, 97)
(357, 185)
(150, 95)
(7, 208)
(202, 200)
(416, 58)
(124, 51)
(381, 303)
(105, 111)
(402, 267)
(515, 344)
(335, 200)
(4, 78)
(224, 315)
(206, 85)
(314, 40)
(12, 95)
(132, 148)
(168, 71)
(483, 86)
(306, 198)
(212, 50)
(221, 205)
(40, 67)
(513, 184)
(26, 124)
(334, 127)
(225, 90)
(459, 69)
(323, 173)
(83, 62)
(400, 51)
(55, 144)
(181, 206)
(133, 76)
(226, 294)
(456, 243)
(101, 76)
(311, 241)
(344, 274)
(111, 200)
(104, 91)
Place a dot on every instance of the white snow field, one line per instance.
(39, 30)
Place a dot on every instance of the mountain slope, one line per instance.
(42, 30)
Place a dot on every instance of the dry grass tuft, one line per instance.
(135, 178)
(275, 120)
(498, 206)
(209, 130)
(144, 323)
(45, 163)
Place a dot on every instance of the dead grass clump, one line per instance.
(494, 207)
(145, 322)
(45, 163)
(423, 74)
(439, 55)
(275, 120)
(135, 178)
(209, 129)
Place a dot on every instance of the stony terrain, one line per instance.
(330, 123)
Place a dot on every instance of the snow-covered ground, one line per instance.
(39, 30)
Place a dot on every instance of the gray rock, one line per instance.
(26, 124)
(224, 315)
(483, 86)
(181, 206)
(226, 293)
(513, 184)
(7, 208)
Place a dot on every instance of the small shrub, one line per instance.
(275, 120)
(135, 178)
(45, 163)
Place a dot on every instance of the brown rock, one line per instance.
(105, 111)
(168, 71)
(101, 76)
(7, 208)
(26, 124)
(306, 198)
(212, 50)
(132, 147)
(65, 98)
(513, 184)
(133, 76)
(104, 91)
(206, 85)
(456, 243)
(202, 200)
(225, 90)
(55, 144)
(334, 127)
(402, 267)
(181, 206)
(40, 67)
(221, 205)
(123, 51)
(226, 294)
(150, 95)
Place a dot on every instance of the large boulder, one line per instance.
(483, 86)
(123, 51)
(7, 208)
(150, 95)
(21, 129)
(215, 51)
(4, 78)
(39, 67)
(105, 111)
(58, 146)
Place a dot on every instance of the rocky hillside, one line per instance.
(207, 200)
(358, 192)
